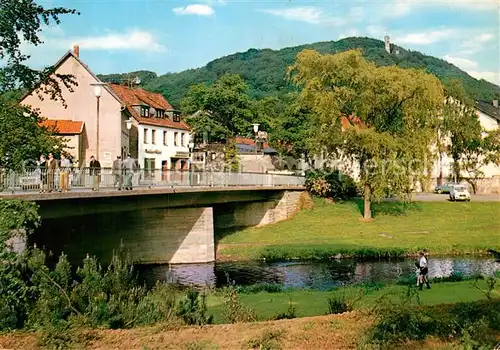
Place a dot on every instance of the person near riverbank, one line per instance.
(95, 172)
(424, 270)
(51, 172)
(129, 167)
(42, 166)
(64, 166)
(117, 172)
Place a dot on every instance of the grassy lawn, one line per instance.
(315, 303)
(328, 229)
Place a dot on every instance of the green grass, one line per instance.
(441, 227)
(314, 303)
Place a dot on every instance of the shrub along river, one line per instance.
(313, 275)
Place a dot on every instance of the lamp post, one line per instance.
(97, 94)
(255, 130)
(191, 149)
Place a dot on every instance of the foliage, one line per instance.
(471, 323)
(330, 183)
(268, 340)
(126, 78)
(265, 70)
(231, 158)
(234, 310)
(260, 287)
(390, 111)
(193, 309)
(22, 21)
(290, 124)
(222, 109)
(289, 314)
(21, 137)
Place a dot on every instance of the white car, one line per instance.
(459, 193)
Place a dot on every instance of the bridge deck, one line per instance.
(141, 191)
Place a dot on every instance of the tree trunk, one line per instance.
(368, 203)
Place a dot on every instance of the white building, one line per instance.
(162, 138)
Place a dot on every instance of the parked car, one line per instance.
(459, 193)
(445, 188)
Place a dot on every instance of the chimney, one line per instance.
(495, 103)
(76, 50)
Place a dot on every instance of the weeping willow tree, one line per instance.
(391, 114)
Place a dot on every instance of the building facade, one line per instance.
(159, 138)
(131, 120)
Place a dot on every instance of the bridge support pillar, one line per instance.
(282, 207)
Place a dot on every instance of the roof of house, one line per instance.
(136, 97)
(245, 144)
(67, 55)
(489, 109)
(63, 127)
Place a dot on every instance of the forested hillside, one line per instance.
(264, 71)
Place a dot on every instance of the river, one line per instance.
(311, 275)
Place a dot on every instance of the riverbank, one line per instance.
(307, 303)
(348, 330)
(335, 230)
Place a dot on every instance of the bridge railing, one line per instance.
(86, 178)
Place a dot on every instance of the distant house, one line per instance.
(162, 138)
(72, 132)
(131, 120)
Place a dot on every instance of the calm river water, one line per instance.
(311, 275)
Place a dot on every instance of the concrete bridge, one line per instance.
(159, 224)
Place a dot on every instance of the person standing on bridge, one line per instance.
(117, 172)
(51, 173)
(64, 174)
(128, 172)
(95, 172)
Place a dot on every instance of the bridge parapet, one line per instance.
(43, 180)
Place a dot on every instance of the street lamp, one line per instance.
(128, 122)
(255, 130)
(97, 94)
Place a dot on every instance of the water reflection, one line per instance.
(319, 276)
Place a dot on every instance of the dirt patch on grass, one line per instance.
(323, 332)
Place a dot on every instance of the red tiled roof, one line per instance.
(63, 127)
(248, 141)
(351, 121)
(135, 97)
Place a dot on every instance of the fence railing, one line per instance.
(44, 180)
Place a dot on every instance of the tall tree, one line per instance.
(223, 109)
(21, 138)
(392, 112)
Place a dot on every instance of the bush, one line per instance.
(193, 309)
(473, 323)
(330, 183)
(268, 340)
(260, 287)
(289, 314)
(234, 310)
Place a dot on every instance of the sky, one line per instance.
(117, 36)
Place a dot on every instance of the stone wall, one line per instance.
(257, 213)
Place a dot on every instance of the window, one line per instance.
(177, 117)
(160, 113)
(145, 111)
(165, 137)
(183, 139)
(145, 135)
(153, 136)
(175, 138)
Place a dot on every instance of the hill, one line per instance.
(265, 70)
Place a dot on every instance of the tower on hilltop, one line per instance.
(387, 41)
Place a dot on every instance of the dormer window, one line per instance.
(177, 117)
(144, 111)
(160, 113)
